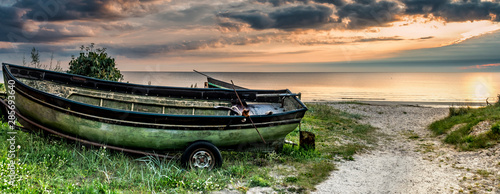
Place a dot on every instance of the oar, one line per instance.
(247, 115)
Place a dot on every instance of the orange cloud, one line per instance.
(481, 66)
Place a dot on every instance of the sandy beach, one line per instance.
(409, 159)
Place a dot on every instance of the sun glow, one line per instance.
(481, 87)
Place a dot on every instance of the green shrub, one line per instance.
(95, 63)
(496, 128)
(258, 181)
(459, 111)
(291, 179)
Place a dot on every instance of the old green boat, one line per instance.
(153, 119)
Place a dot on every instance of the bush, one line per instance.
(496, 128)
(95, 63)
(258, 181)
(291, 179)
(459, 111)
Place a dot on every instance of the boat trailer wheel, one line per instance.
(201, 155)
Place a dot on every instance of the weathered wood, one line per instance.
(307, 140)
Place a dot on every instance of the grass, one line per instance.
(49, 164)
(468, 118)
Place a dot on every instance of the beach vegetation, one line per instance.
(483, 173)
(49, 164)
(463, 120)
(95, 62)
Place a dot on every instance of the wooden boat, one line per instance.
(215, 83)
(153, 119)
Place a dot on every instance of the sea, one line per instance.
(426, 89)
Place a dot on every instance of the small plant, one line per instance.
(495, 128)
(258, 181)
(483, 173)
(261, 162)
(35, 58)
(458, 111)
(291, 179)
(242, 189)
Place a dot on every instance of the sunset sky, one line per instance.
(260, 35)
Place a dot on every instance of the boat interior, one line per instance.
(160, 105)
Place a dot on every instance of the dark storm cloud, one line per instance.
(12, 28)
(227, 26)
(279, 2)
(301, 17)
(10, 20)
(61, 10)
(333, 2)
(368, 13)
(364, 2)
(257, 19)
(17, 20)
(283, 2)
(53, 18)
(362, 14)
(297, 17)
(10, 17)
(465, 10)
(423, 6)
(315, 14)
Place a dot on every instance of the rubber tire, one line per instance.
(202, 146)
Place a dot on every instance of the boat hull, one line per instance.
(151, 138)
(148, 131)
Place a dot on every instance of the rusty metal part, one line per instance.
(86, 141)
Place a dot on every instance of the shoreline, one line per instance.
(407, 103)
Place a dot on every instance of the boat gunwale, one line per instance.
(169, 126)
(118, 111)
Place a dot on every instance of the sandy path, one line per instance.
(420, 165)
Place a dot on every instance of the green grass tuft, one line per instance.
(469, 118)
(47, 164)
(258, 181)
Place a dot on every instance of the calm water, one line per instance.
(416, 88)
(444, 88)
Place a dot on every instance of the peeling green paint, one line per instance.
(144, 138)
